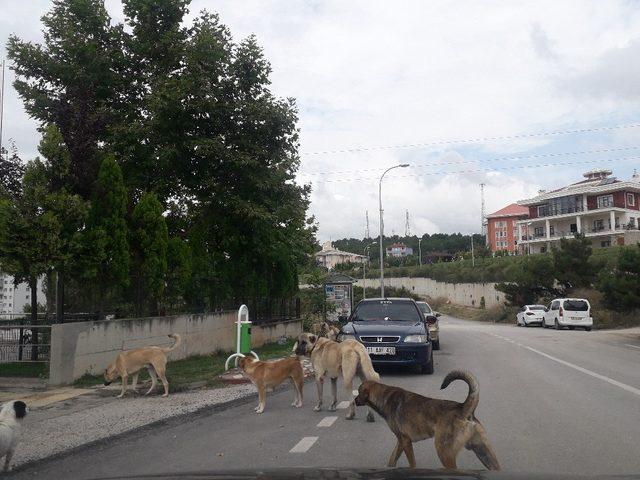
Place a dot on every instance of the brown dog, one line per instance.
(154, 359)
(412, 417)
(267, 375)
(323, 329)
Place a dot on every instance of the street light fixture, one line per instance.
(402, 165)
(364, 270)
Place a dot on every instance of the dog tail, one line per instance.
(366, 365)
(178, 341)
(470, 404)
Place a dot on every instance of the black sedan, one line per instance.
(393, 330)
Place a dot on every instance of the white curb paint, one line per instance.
(342, 405)
(304, 445)
(327, 421)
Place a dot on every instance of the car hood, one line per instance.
(383, 327)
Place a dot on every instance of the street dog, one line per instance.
(130, 362)
(323, 329)
(11, 416)
(268, 375)
(332, 359)
(412, 417)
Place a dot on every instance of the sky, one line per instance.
(466, 92)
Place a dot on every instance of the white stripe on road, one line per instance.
(618, 384)
(632, 346)
(342, 405)
(303, 445)
(327, 421)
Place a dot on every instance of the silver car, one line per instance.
(433, 323)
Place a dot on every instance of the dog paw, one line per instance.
(259, 411)
(317, 408)
(350, 416)
(370, 417)
(165, 395)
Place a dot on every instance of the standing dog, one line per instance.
(154, 359)
(412, 417)
(332, 359)
(323, 329)
(267, 375)
(11, 416)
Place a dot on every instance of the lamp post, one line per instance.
(364, 270)
(402, 165)
(420, 251)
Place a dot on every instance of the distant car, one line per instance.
(432, 322)
(530, 315)
(568, 312)
(394, 332)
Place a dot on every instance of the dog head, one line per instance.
(305, 344)
(363, 393)
(244, 361)
(16, 409)
(110, 374)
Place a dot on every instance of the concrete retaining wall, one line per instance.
(468, 294)
(87, 347)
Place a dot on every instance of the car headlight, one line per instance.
(415, 339)
(345, 336)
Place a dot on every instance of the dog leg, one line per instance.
(7, 461)
(407, 446)
(134, 383)
(124, 386)
(395, 455)
(165, 384)
(370, 417)
(262, 396)
(445, 451)
(334, 394)
(297, 401)
(348, 385)
(319, 385)
(154, 379)
(479, 444)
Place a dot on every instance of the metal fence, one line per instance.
(25, 343)
(263, 311)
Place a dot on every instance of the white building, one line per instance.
(329, 257)
(13, 298)
(601, 207)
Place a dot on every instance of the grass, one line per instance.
(200, 368)
(26, 369)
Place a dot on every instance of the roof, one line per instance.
(513, 210)
(339, 278)
(397, 245)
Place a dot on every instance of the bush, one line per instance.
(621, 285)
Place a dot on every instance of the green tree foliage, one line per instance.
(571, 262)
(533, 277)
(178, 272)
(621, 285)
(149, 242)
(11, 172)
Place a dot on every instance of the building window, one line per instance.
(552, 230)
(605, 201)
(538, 232)
(631, 200)
(605, 243)
(598, 225)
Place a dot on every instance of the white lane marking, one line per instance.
(616, 383)
(632, 346)
(342, 405)
(303, 445)
(327, 421)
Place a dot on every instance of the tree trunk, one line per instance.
(60, 298)
(33, 285)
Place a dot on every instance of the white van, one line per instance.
(568, 312)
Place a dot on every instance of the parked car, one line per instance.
(393, 330)
(530, 315)
(568, 312)
(432, 322)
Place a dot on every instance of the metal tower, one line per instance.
(483, 222)
(366, 230)
(407, 226)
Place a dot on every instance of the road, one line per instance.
(551, 402)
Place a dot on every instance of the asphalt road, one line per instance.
(551, 402)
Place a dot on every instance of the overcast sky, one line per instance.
(381, 76)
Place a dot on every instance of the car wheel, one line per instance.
(587, 329)
(543, 324)
(427, 368)
(556, 325)
(572, 328)
(436, 345)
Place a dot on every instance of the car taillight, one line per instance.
(561, 312)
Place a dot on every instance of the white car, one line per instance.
(530, 315)
(568, 312)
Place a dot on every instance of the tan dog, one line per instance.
(412, 417)
(130, 362)
(323, 329)
(268, 375)
(332, 359)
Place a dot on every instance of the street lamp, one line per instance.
(364, 270)
(402, 165)
(420, 251)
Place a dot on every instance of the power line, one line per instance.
(472, 140)
(488, 160)
(484, 170)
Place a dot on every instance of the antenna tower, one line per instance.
(407, 226)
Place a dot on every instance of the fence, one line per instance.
(263, 311)
(25, 343)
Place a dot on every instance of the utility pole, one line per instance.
(366, 231)
(473, 258)
(407, 226)
(364, 270)
(420, 251)
(483, 225)
(1, 104)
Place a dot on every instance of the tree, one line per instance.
(621, 285)
(108, 228)
(533, 278)
(178, 271)
(149, 248)
(571, 262)
(11, 172)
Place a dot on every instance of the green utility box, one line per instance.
(245, 337)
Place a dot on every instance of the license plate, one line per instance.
(381, 350)
(576, 318)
